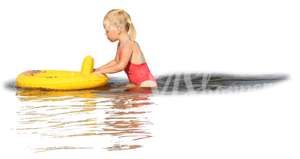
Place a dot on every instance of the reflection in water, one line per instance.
(114, 113)
(120, 118)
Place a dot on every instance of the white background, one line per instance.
(234, 36)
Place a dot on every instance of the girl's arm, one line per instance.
(120, 64)
(111, 63)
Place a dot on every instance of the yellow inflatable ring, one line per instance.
(63, 80)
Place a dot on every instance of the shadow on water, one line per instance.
(114, 113)
(191, 83)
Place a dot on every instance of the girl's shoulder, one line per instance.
(136, 45)
(128, 44)
(133, 45)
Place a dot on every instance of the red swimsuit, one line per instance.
(138, 73)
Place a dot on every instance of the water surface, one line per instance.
(112, 118)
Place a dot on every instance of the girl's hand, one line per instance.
(98, 72)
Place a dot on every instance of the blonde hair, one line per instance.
(120, 18)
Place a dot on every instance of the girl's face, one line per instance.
(112, 32)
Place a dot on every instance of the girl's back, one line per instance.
(137, 56)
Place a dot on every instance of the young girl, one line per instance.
(129, 56)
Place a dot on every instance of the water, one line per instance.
(119, 119)
(76, 114)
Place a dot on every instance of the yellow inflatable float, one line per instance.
(63, 80)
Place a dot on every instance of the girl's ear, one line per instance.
(119, 30)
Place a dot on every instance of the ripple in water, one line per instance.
(118, 120)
